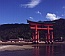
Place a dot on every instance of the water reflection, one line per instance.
(49, 50)
(36, 51)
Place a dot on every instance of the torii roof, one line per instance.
(41, 22)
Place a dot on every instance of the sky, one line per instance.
(19, 11)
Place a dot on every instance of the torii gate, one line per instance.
(38, 26)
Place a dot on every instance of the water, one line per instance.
(38, 50)
(50, 50)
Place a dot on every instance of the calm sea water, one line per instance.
(38, 50)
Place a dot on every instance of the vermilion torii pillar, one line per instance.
(49, 38)
(37, 27)
(36, 35)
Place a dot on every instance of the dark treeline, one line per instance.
(15, 31)
(59, 28)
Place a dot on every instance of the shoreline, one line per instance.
(15, 47)
(24, 46)
(26, 43)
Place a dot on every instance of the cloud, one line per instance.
(52, 16)
(31, 17)
(63, 7)
(39, 12)
(62, 15)
(31, 4)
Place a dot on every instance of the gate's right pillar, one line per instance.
(52, 37)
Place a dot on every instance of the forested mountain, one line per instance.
(59, 28)
(13, 31)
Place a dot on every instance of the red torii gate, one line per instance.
(37, 26)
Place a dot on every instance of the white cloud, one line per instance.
(31, 17)
(31, 4)
(39, 12)
(63, 7)
(62, 15)
(52, 16)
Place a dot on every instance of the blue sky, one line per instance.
(18, 11)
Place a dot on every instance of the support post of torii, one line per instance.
(36, 33)
(36, 37)
(52, 37)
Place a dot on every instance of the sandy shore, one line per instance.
(15, 47)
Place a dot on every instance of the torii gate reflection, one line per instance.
(48, 50)
(41, 26)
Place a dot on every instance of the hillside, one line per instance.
(13, 31)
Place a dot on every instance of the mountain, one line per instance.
(59, 28)
(14, 31)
